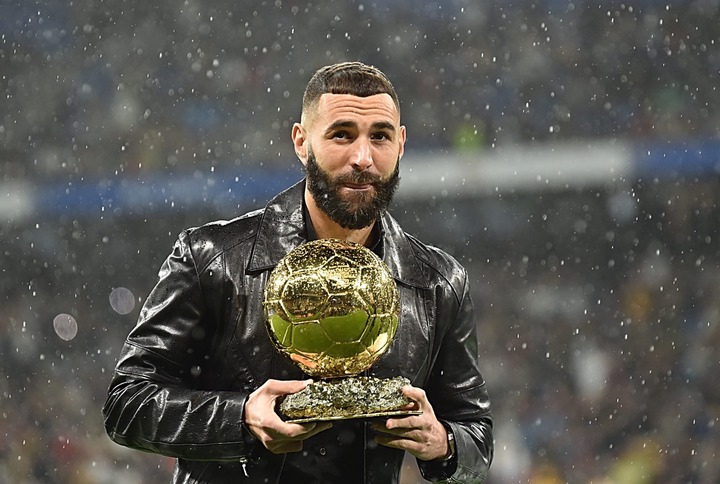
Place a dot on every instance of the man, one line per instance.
(198, 377)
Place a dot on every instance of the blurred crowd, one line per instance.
(599, 330)
(599, 310)
(121, 88)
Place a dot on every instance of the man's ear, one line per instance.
(300, 141)
(403, 137)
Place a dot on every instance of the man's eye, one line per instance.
(340, 134)
(380, 136)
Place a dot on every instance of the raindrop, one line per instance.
(65, 326)
(122, 300)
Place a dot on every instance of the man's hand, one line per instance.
(260, 418)
(421, 435)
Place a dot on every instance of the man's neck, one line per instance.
(325, 227)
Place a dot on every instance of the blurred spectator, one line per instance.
(91, 89)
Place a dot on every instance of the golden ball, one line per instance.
(332, 307)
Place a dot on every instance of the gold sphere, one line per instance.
(332, 307)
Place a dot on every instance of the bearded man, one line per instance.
(198, 378)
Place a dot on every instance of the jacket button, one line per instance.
(322, 451)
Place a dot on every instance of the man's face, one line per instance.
(351, 147)
(358, 208)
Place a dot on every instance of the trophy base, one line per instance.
(347, 398)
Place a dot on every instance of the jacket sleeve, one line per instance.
(457, 391)
(155, 402)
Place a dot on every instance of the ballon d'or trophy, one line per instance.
(332, 307)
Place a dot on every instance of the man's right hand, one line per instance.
(275, 434)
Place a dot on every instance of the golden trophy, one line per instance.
(332, 307)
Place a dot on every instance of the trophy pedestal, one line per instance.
(347, 398)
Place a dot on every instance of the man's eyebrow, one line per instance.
(380, 125)
(340, 124)
(384, 125)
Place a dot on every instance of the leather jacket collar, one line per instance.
(283, 221)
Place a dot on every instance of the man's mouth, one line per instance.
(358, 186)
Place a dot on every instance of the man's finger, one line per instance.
(416, 394)
(286, 387)
(395, 442)
(286, 446)
(303, 431)
(395, 426)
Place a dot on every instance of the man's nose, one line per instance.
(362, 158)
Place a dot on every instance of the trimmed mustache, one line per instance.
(359, 178)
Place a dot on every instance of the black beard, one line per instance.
(354, 212)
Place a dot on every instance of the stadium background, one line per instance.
(565, 151)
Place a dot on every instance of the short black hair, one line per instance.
(353, 78)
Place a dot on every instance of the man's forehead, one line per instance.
(333, 106)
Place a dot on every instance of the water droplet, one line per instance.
(122, 300)
(65, 326)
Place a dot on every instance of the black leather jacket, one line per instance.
(200, 348)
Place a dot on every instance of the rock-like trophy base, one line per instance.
(346, 398)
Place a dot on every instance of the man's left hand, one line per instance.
(422, 435)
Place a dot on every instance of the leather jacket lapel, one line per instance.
(282, 228)
(400, 256)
